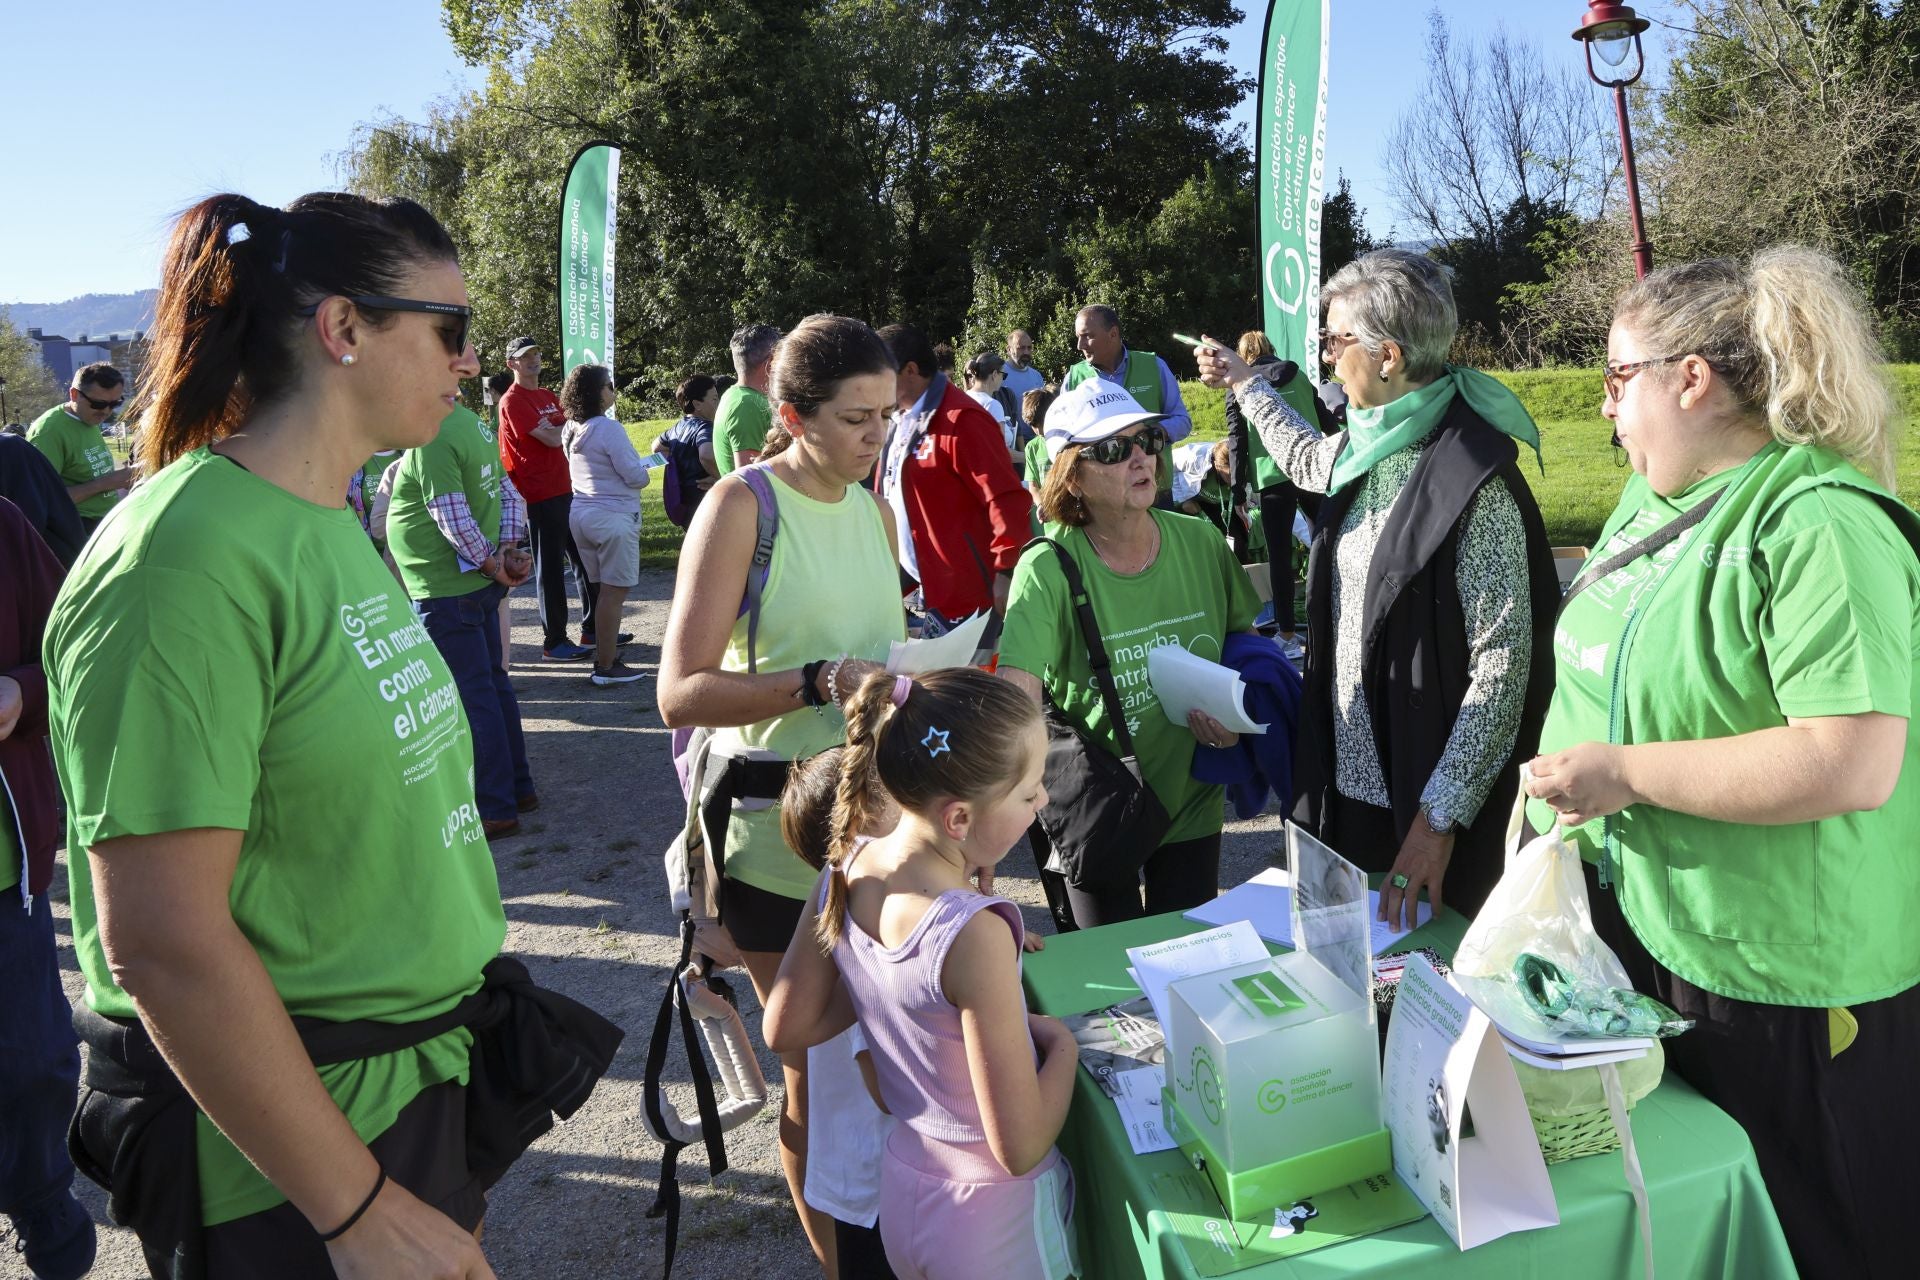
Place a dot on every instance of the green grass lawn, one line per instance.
(1580, 485)
(659, 536)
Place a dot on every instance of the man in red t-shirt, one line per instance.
(530, 423)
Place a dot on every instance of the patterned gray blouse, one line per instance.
(1495, 598)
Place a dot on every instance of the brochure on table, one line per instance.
(1122, 1049)
(1462, 1139)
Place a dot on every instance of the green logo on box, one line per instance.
(1206, 1083)
(1272, 1097)
(1269, 995)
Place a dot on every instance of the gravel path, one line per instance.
(587, 910)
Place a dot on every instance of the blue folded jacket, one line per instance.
(1260, 762)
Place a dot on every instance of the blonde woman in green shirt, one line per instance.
(830, 608)
(1730, 743)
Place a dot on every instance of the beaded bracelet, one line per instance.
(833, 679)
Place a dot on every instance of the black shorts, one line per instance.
(424, 1150)
(758, 919)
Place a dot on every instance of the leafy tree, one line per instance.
(1493, 154)
(1343, 230)
(1781, 120)
(939, 163)
(1796, 119)
(30, 386)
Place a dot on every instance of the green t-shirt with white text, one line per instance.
(1797, 597)
(740, 424)
(1192, 595)
(227, 655)
(78, 452)
(462, 459)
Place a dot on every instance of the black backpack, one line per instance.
(681, 491)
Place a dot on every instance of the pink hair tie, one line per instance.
(902, 686)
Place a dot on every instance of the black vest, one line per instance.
(1414, 668)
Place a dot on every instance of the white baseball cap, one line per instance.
(1091, 412)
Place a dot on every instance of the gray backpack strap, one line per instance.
(767, 525)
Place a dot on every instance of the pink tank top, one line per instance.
(919, 1054)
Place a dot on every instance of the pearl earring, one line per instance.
(347, 358)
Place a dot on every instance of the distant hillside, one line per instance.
(94, 314)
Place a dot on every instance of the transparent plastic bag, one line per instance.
(1532, 961)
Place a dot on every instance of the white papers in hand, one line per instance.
(1160, 965)
(935, 653)
(1266, 901)
(1184, 681)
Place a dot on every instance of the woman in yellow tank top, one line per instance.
(829, 609)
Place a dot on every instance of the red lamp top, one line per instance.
(1604, 21)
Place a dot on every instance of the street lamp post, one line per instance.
(1612, 32)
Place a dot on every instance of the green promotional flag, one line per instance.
(586, 256)
(1291, 167)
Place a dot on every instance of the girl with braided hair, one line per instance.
(897, 937)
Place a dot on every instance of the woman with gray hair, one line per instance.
(1430, 589)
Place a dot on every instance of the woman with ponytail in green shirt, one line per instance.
(1730, 742)
(283, 901)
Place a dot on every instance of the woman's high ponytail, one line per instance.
(234, 276)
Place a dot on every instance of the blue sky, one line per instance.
(123, 116)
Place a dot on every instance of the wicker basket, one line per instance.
(1590, 1133)
(1569, 1108)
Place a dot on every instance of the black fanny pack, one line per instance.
(535, 1054)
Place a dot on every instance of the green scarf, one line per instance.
(1373, 434)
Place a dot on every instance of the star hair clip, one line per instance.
(934, 748)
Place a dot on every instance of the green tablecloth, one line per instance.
(1711, 1215)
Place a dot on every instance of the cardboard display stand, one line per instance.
(1462, 1139)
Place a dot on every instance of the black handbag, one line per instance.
(1101, 817)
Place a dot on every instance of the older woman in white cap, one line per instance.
(1153, 578)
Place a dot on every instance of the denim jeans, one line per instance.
(549, 521)
(39, 1058)
(466, 630)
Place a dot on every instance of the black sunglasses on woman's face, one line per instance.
(455, 338)
(1116, 449)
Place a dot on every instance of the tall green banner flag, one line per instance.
(1291, 163)
(586, 256)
